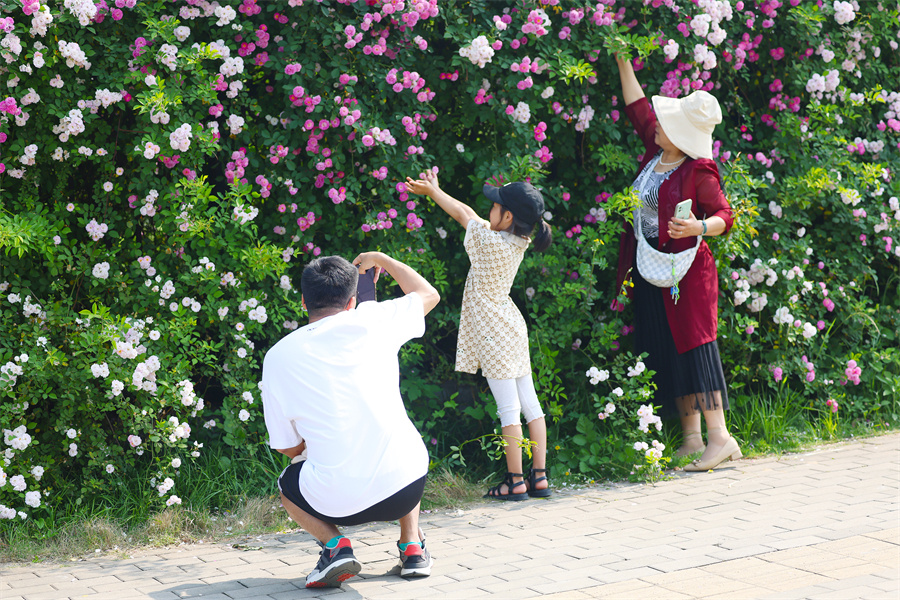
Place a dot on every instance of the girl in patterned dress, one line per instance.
(492, 333)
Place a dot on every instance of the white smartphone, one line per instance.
(683, 209)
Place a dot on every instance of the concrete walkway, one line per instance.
(821, 524)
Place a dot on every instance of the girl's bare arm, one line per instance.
(461, 213)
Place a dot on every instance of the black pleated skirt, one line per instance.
(692, 377)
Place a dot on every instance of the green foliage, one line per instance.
(194, 275)
(21, 234)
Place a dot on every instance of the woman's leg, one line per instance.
(692, 438)
(716, 429)
(721, 446)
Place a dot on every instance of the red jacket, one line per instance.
(694, 319)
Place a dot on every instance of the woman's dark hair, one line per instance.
(542, 237)
(328, 282)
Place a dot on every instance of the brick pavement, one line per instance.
(821, 524)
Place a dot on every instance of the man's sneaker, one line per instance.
(415, 561)
(336, 565)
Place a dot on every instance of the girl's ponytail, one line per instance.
(539, 233)
(542, 236)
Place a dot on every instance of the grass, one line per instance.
(446, 489)
(95, 530)
(778, 424)
(85, 535)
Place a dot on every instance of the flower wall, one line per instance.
(169, 167)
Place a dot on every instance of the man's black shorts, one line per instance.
(390, 509)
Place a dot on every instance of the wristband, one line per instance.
(704, 227)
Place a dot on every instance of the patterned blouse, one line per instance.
(647, 186)
(492, 333)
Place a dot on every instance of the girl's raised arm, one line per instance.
(461, 213)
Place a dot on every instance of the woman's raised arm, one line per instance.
(631, 89)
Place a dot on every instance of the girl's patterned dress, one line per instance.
(492, 333)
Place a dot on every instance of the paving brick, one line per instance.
(45, 595)
(614, 592)
(568, 595)
(518, 581)
(33, 588)
(616, 575)
(788, 582)
(686, 563)
(749, 593)
(222, 587)
(574, 583)
(888, 535)
(889, 584)
(287, 572)
(811, 524)
(31, 580)
(153, 585)
(470, 587)
(789, 541)
(866, 549)
(703, 586)
(109, 589)
(309, 594)
(841, 573)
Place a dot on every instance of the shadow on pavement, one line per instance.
(262, 587)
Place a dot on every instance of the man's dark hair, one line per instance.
(328, 282)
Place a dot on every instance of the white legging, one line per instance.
(515, 396)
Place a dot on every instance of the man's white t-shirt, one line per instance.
(335, 384)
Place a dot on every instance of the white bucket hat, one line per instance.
(689, 122)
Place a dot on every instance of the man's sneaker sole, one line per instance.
(337, 573)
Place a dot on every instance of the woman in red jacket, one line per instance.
(680, 337)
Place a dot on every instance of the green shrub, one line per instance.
(169, 169)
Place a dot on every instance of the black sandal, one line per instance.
(494, 492)
(532, 481)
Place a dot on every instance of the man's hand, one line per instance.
(366, 261)
(405, 276)
(295, 451)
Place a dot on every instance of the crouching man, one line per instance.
(331, 395)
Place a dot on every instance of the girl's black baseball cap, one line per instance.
(522, 199)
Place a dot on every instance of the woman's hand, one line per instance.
(631, 89)
(691, 227)
(682, 228)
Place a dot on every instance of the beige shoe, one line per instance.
(730, 451)
(684, 450)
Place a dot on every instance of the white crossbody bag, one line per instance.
(661, 269)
